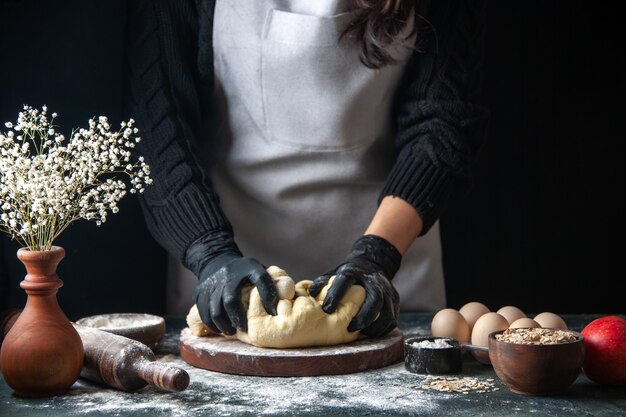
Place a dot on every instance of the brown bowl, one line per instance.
(537, 369)
(145, 328)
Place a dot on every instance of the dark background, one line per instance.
(542, 229)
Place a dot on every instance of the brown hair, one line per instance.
(376, 25)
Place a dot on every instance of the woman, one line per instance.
(315, 123)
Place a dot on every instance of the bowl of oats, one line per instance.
(536, 361)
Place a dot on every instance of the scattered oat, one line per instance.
(536, 336)
(463, 385)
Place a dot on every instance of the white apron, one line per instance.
(307, 143)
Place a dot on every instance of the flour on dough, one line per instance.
(300, 321)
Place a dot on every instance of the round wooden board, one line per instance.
(217, 353)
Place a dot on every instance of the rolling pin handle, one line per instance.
(162, 376)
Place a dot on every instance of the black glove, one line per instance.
(222, 271)
(372, 263)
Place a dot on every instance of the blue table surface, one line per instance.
(388, 391)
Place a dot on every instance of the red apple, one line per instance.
(605, 350)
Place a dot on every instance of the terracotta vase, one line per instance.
(42, 354)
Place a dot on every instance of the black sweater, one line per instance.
(439, 127)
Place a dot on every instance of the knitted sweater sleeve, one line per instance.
(439, 126)
(167, 96)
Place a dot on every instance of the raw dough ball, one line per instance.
(284, 284)
(198, 328)
(300, 321)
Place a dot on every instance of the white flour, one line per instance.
(212, 393)
(435, 344)
(120, 321)
(387, 390)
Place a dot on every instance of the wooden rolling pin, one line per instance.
(118, 361)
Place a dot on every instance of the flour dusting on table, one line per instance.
(216, 394)
(386, 391)
(212, 393)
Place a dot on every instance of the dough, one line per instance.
(198, 328)
(300, 321)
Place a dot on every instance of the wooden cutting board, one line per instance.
(219, 354)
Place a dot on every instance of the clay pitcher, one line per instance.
(42, 354)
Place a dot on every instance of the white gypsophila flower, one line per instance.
(48, 182)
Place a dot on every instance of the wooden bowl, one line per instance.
(537, 369)
(145, 328)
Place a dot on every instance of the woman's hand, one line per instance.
(372, 263)
(222, 271)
